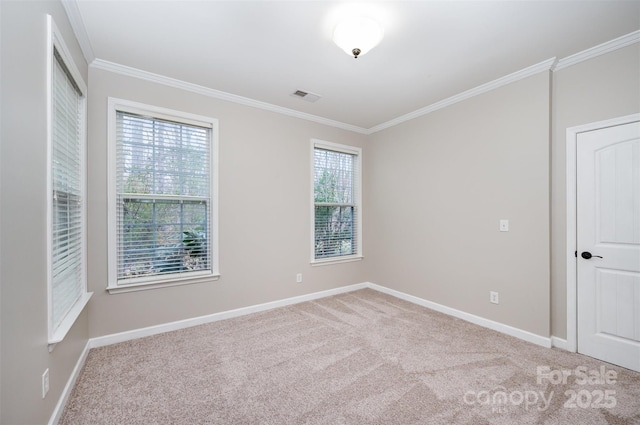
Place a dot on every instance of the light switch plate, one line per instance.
(504, 225)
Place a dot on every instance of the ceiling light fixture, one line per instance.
(357, 35)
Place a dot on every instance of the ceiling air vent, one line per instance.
(305, 95)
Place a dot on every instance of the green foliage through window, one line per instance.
(335, 209)
(163, 192)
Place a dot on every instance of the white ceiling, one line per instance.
(266, 50)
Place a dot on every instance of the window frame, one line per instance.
(56, 44)
(116, 105)
(357, 201)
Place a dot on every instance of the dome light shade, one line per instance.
(357, 35)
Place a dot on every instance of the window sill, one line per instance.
(68, 321)
(143, 286)
(336, 260)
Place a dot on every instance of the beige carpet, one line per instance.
(357, 358)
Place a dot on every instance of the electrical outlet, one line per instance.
(299, 278)
(494, 297)
(45, 383)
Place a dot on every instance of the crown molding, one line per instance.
(75, 18)
(79, 29)
(217, 94)
(552, 64)
(492, 85)
(600, 49)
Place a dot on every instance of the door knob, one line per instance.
(586, 255)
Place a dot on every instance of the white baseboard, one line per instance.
(195, 321)
(496, 326)
(187, 323)
(71, 382)
(560, 343)
(181, 324)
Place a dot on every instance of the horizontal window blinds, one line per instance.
(163, 197)
(335, 194)
(67, 184)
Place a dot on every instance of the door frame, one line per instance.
(572, 218)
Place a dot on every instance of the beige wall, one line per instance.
(23, 196)
(594, 90)
(265, 226)
(436, 189)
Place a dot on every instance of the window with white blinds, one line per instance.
(163, 197)
(336, 202)
(66, 204)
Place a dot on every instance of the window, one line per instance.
(336, 203)
(163, 206)
(67, 290)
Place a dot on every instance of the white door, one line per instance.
(608, 233)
